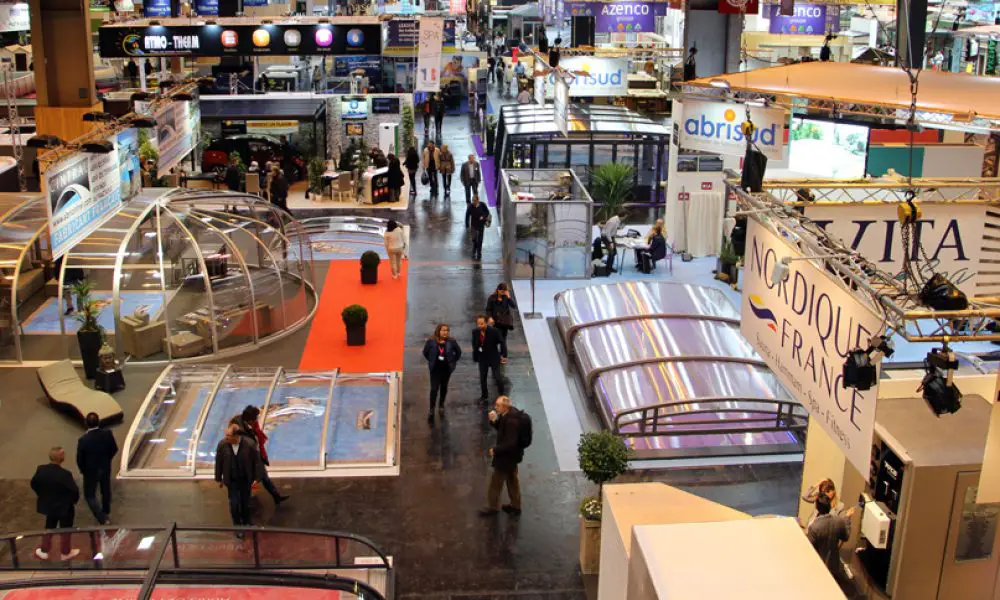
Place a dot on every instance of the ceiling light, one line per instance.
(154, 23)
(182, 97)
(859, 371)
(98, 147)
(98, 116)
(140, 96)
(143, 122)
(43, 141)
(938, 386)
(781, 268)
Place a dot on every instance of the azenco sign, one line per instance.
(804, 327)
(715, 127)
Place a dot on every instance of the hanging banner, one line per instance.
(156, 8)
(83, 191)
(429, 55)
(594, 76)
(560, 103)
(804, 327)
(808, 19)
(177, 124)
(715, 127)
(402, 36)
(129, 167)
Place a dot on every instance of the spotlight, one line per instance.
(143, 122)
(210, 22)
(98, 147)
(267, 22)
(43, 141)
(882, 345)
(941, 294)
(166, 84)
(140, 96)
(98, 116)
(859, 370)
(940, 391)
(182, 97)
(154, 23)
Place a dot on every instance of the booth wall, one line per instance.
(336, 137)
(931, 160)
(716, 53)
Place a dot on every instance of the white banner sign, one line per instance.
(561, 106)
(715, 127)
(951, 236)
(14, 17)
(594, 76)
(177, 124)
(429, 55)
(273, 127)
(804, 327)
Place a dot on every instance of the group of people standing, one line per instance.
(272, 181)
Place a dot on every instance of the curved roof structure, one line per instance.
(669, 369)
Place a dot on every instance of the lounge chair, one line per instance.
(68, 393)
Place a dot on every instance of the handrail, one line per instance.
(650, 422)
(572, 330)
(593, 374)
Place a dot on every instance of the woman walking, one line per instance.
(395, 178)
(447, 168)
(500, 307)
(412, 163)
(395, 246)
(442, 354)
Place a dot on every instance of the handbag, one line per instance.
(424, 178)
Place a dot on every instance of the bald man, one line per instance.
(57, 495)
(237, 466)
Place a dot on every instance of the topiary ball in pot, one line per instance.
(369, 267)
(355, 318)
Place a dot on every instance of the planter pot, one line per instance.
(369, 276)
(734, 273)
(90, 346)
(356, 336)
(590, 546)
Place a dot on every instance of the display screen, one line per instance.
(354, 129)
(353, 108)
(385, 106)
(827, 149)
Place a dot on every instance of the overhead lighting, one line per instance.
(859, 371)
(98, 147)
(43, 141)
(98, 116)
(324, 21)
(719, 83)
(167, 84)
(182, 97)
(140, 96)
(267, 22)
(154, 23)
(210, 22)
(143, 123)
(938, 385)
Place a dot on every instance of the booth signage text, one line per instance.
(429, 55)
(403, 36)
(594, 76)
(809, 19)
(156, 8)
(619, 17)
(14, 17)
(804, 327)
(715, 127)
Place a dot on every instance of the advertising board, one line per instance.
(14, 17)
(594, 76)
(804, 327)
(561, 106)
(619, 17)
(177, 124)
(429, 55)
(809, 19)
(715, 127)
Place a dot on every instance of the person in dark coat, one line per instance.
(233, 177)
(489, 351)
(438, 116)
(470, 175)
(132, 72)
(500, 307)
(237, 466)
(412, 164)
(491, 65)
(57, 495)
(94, 452)
(279, 190)
(395, 175)
(507, 454)
(442, 353)
(249, 427)
(479, 214)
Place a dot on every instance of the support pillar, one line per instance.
(911, 25)
(64, 66)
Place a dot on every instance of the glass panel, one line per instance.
(107, 550)
(579, 160)
(558, 155)
(188, 313)
(165, 434)
(295, 418)
(357, 427)
(304, 550)
(240, 388)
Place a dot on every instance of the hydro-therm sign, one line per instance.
(594, 76)
(715, 127)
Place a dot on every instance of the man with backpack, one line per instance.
(513, 436)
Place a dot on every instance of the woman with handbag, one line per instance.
(500, 307)
(447, 167)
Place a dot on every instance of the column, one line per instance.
(911, 24)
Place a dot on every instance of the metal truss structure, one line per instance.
(881, 191)
(895, 299)
(13, 124)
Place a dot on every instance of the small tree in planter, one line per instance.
(603, 456)
(727, 266)
(612, 187)
(369, 267)
(316, 168)
(355, 317)
(406, 137)
(90, 335)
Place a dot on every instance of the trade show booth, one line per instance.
(377, 119)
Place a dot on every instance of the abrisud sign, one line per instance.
(715, 127)
(594, 76)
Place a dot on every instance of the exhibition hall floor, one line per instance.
(426, 517)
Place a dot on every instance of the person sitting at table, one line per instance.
(656, 250)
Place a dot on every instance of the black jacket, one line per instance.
(508, 452)
(279, 187)
(490, 349)
(94, 451)
(657, 247)
(233, 178)
(452, 353)
(57, 491)
(439, 110)
(395, 174)
(248, 461)
(412, 162)
(479, 215)
(502, 310)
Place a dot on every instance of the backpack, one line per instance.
(523, 430)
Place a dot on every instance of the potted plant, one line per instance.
(406, 136)
(90, 335)
(727, 266)
(355, 317)
(369, 267)
(315, 169)
(611, 186)
(603, 456)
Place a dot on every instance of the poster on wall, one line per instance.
(594, 76)
(207, 8)
(429, 55)
(82, 192)
(402, 37)
(804, 327)
(156, 8)
(809, 19)
(715, 127)
(344, 66)
(177, 125)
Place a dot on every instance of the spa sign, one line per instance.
(715, 127)
(804, 327)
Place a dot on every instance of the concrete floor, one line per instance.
(425, 518)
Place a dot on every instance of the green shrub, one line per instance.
(603, 456)
(370, 260)
(354, 315)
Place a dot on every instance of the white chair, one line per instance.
(345, 188)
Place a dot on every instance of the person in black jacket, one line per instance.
(507, 454)
(279, 190)
(438, 116)
(500, 307)
(489, 350)
(237, 466)
(57, 495)
(442, 353)
(94, 453)
(412, 164)
(233, 177)
(479, 214)
(395, 176)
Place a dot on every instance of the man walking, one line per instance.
(237, 466)
(507, 454)
(438, 117)
(94, 452)
(57, 495)
(250, 429)
(489, 350)
(479, 215)
(470, 176)
(431, 159)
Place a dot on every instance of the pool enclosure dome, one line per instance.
(179, 274)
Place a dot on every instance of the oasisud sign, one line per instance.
(804, 327)
(947, 240)
(715, 127)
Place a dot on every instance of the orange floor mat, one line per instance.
(326, 347)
